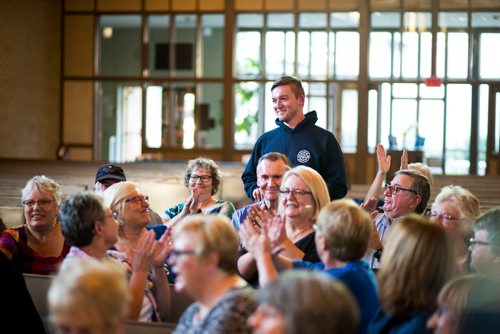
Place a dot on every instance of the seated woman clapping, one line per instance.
(139, 252)
(203, 178)
(303, 194)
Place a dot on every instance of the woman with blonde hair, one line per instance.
(417, 261)
(291, 233)
(203, 257)
(89, 296)
(456, 208)
(139, 252)
(38, 245)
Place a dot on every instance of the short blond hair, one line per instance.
(314, 181)
(212, 233)
(464, 201)
(346, 228)
(89, 289)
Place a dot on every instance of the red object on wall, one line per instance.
(433, 82)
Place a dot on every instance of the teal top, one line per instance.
(222, 207)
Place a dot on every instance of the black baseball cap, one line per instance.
(110, 172)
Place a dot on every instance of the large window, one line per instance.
(319, 48)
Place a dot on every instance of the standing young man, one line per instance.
(299, 138)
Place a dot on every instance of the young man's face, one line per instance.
(287, 106)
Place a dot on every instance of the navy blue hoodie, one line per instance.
(307, 144)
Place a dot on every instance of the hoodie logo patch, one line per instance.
(303, 156)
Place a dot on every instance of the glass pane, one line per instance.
(304, 54)
(280, 21)
(248, 54)
(396, 45)
(185, 45)
(319, 56)
(156, 129)
(209, 116)
(385, 122)
(276, 56)
(404, 90)
(425, 54)
(380, 55)
(120, 45)
(488, 56)
(497, 121)
(385, 20)
(269, 114)
(246, 105)
(347, 55)
(372, 119)
(486, 20)
(212, 54)
(312, 20)
(448, 20)
(441, 41)
(250, 21)
(483, 129)
(316, 100)
(348, 138)
(410, 55)
(431, 92)
(158, 55)
(413, 21)
(458, 127)
(344, 20)
(331, 53)
(431, 126)
(458, 51)
(120, 121)
(404, 121)
(182, 115)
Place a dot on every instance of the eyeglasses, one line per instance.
(295, 192)
(473, 242)
(137, 199)
(43, 203)
(176, 253)
(394, 190)
(439, 215)
(203, 178)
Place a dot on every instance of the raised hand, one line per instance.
(384, 161)
(404, 160)
(257, 195)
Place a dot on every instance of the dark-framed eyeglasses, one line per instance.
(137, 199)
(43, 203)
(395, 189)
(474, 242)
(295, 192)
(204, 178)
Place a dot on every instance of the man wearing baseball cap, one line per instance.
(110, 174)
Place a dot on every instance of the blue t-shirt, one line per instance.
(359, 279)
